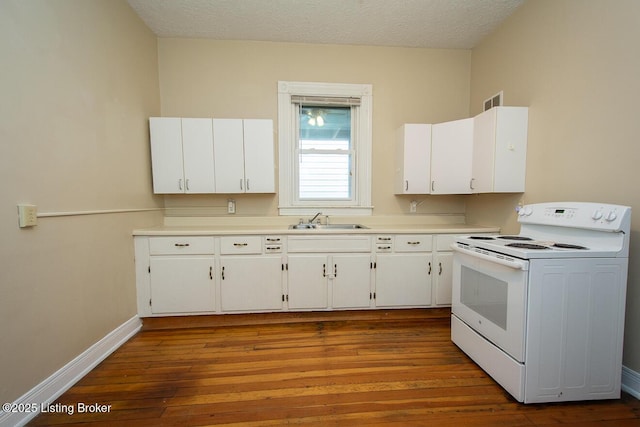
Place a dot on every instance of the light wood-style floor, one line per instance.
(367, 368)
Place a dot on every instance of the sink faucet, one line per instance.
(314, 218)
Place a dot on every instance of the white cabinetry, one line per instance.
(182, 155)
(249, 280)
(244, 156)
(308, 287)
(403, 278)
(351, 277)
(443, 269)
(257, 273)
(500, 150)
(329, 272)
(451, 155)
(413, 159)
(181, 275)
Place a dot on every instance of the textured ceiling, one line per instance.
(447, 24)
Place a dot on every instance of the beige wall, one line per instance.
(203, 78)
(575, 63)
(79, 79)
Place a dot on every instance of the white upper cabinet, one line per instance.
(500, 150)
(182, 155)
(413, 159)
(244, 157)
(259, 170)
(451, 155)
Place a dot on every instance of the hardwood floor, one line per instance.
(367, 368)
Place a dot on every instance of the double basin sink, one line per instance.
(309, 226)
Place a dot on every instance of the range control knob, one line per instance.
(597, 215)
(525, 211)
(611, 216)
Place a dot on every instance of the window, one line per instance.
(325, 154)
(324, 148)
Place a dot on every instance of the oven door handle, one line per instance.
(516, 264)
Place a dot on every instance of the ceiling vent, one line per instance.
(494, 101)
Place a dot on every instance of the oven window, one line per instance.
(485, 295)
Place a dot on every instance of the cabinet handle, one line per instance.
(433, 186)
(413, 243)
(247, 184)
(180, 184)
(240, 245)
(210, 273)
(439, 269)
(181, 245)
(222, 273)
(324, 270)
(406, 185)
(385, 239)
(273, 239)
(471, 184)
(335, 270)
(429, 268)
(241, 182)
(384, 247)
(186, 183)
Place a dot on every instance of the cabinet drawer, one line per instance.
(329, 244)
(241, 245)
(181, 245)
(413, 243)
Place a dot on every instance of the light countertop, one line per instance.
(209, 230)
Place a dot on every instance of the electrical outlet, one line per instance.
(413, 206)
(27, 215)
(231, 206)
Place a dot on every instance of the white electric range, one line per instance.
(543, 311)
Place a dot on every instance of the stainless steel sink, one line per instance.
(307, 226)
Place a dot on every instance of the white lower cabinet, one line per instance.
(442, 278)
(443, 269)
(329, 281)
(403, 280)
(175, 275)
(258, 273)
(403, 270)
(251, 283)
(181, 284)
(351, 281)
(308, 287)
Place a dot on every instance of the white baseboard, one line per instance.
(51, 388)
(631, 382)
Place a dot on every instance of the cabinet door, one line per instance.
(250, 283)
(451, 155)
(181, 284)
(259, 168)
(500, 150)
(403, 280)
(484, 135)
(511, 149)
(443, 278)
(351, 277)
(166, 155)
(228, 155)
(197, 149)
(307, 281)
(413, 159)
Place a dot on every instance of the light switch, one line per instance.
(27, 215)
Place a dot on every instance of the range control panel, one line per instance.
(597, 216)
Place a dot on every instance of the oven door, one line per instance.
(490, 296)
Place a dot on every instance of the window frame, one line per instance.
(288, 140)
